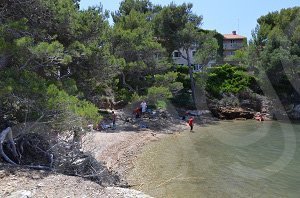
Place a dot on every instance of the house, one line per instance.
(229, 42)
(232, 42)
(179, 60)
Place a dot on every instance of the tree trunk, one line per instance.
(191, 76)
(125, 84)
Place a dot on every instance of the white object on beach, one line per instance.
(144, 106)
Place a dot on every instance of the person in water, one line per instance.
(191, 123)
(259, 117)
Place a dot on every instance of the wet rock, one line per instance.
(295, 113)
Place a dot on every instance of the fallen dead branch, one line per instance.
(60, 153)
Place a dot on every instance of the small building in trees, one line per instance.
(232, 42)
(179, 60)
(180, 56)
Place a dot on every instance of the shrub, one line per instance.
(228, 79)
(159, 93)
(70, 111)
(123, 94)
(182, 69)
(161, 104)
(135, 97)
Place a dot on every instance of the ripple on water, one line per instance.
(229, 159)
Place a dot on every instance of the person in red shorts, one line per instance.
(191, 123)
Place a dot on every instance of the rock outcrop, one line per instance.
(230, 113)
(240, 106)
(295, 112)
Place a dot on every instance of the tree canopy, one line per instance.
(56, 46)
(276, 44)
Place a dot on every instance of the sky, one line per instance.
(224, 16)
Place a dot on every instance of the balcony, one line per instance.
(232, 46)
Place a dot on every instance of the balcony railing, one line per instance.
(233, 46)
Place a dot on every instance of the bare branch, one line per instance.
(7, 132)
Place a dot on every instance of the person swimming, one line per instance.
(259, 117)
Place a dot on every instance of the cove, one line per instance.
(224, 159)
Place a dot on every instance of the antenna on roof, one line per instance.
(238, 29)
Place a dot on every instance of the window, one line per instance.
(232, 41)
(176, 54)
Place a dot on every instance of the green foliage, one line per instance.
(59, 100)
(176, 26)
(159, 93)
(182, 69)
(168, 80)
(53, 51)
(136, 97)
(240, 56)
(165, 79)
(24, 42)
(77, 49)
(175, 87)
(183, 100)
(208, 50)
(228, 79)
(126, 6)
(123, 94)
(161, 104)
(69, 86)
(21, 96)
(133, 41)
(19, 83)
(276, 45)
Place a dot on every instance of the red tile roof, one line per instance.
(233, 36)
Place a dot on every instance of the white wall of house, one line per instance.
(179, 60)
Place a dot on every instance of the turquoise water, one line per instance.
(227, 159)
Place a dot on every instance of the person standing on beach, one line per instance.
(191, 123)
(143, 107)
(113, 116)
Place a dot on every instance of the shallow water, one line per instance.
(227, 159)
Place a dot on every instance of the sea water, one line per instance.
(223, 159)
